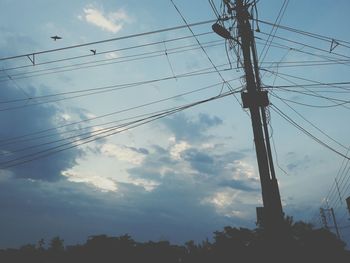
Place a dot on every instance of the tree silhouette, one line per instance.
(56, 245)
(300, 242)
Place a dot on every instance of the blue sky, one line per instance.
(178, 178)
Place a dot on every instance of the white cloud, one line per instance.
(148, 185)
(231, 203)
(111, 22)
(242, 170)
(123, 153)
(112, 55)
(178, 148)
(222, 199)
(102, 183)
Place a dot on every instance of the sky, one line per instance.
(177, 178)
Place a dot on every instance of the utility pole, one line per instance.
(324, 219)
(347, 200)
(335, 223)
(271, 214)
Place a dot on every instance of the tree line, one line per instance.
(300, 243)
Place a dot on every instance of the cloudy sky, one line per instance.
(180, 177)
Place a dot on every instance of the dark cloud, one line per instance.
(296, 164)
(178, 209)
(18, 117)
(185, 128)
(208, 121)
(29, 120)
(244, 185)
(75, 211)
(200, 161)
(209, 166)
(140, 150)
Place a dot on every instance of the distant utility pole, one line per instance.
(324, 219)
(271, 214)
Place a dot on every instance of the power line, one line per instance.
(204, 51)
(321, 85)
(296, 125)
(91, 138)
(109, 61)
(94, 91)
(26, 137)
(309, 122)
(305, 33)
(107, 40)
(317, 95)
(314, 105)
(107, 51)
(332, 59)
(280, 75)
(295, 64)
(94, 127)
(273, 31)
(121, 86)
(308, 80)
(341, 174)
(306, 45)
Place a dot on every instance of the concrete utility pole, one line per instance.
(324, 219)
(347, 200)
(271, 214)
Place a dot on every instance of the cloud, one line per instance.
(29, 120)
(16, 150)
(75, 211)
(207, 169)
(111, 22)
(101, 183)
(179, 186)
(191, 129)
(297, 164)
(124, 153)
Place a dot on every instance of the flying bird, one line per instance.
(56, 37)
(93, 51)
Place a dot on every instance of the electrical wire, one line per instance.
(35, 138)
(109, 61)
(331, 59)
(39, 134)
(296, 125)
(107, 52)
(309, 34)
(107, 40)
(311, 123)
(317, 96)
(91, 138)
(343, 103)
(101, 90)
(273, 31)
(204, 51)
(306, 45)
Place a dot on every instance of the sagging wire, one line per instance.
(168, 59)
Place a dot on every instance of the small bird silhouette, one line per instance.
(56, 37)
(93, 51)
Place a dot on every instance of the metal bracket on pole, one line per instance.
(334, 44)
(259, 98)
(31, 58)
